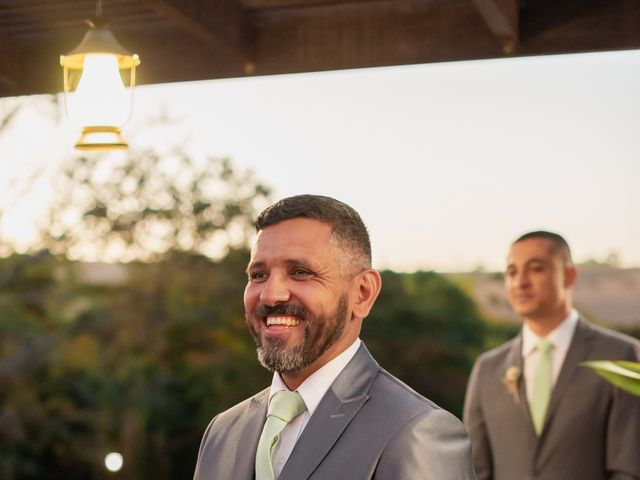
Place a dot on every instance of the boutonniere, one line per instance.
(511, 379)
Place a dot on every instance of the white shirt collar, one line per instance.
(560, 336)
(313, 388)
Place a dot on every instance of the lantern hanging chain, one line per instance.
(98, 8)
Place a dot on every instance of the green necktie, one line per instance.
(284, 407)
(541, 384)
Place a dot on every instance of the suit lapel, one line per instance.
(514, 359)
(253, 422)
(581, 345)
(343, 400)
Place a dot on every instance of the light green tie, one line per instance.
(541, 384)
(284, 407)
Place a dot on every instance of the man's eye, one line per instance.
(300, 273)
(257, 277)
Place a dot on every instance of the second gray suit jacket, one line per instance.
(591, 430)
(368, 425)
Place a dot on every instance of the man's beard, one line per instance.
(319, 334)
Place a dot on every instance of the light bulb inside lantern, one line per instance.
(100, 98)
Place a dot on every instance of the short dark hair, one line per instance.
(558, 243)
(347, 228)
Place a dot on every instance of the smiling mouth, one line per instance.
(523, 296)
(284, 321)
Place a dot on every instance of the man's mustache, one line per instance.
(283, 309)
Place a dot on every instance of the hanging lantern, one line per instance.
(99, 78)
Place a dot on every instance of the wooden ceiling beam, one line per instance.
(9, 68)
(383, 34)
(548, 27)
(222, 24)
(206, 39)
(502, 18)
(276, 4)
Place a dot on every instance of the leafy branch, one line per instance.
(623, 374)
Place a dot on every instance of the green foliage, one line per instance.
(141, 364)
(497, 333)
(146, 204)
(631, 331)
(426, 331)
(623, 374)
(139, 368)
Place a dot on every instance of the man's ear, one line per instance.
(366, 288)
(570, 275)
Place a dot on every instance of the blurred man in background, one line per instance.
(531, 410)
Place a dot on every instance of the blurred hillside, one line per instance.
(604, 294)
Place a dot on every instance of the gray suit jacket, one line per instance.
(591, 430)
(368, 425)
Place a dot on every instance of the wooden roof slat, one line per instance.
(9, 77)
(208, 39)
(282, 4)
(502, 17)
(221, 24)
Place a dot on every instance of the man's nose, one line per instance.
(274, 291)
(521, 279)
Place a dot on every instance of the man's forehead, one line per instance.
(294, 238)
(295, 226)
(530, 249)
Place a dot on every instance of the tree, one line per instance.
(18, 185)
(427, 332)
(145, 205)
(142, 364)
(138, 367)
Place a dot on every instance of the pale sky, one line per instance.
(447, 163)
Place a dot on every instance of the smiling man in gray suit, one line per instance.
(531, 410)
(310, 286)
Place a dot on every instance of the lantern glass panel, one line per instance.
(100, 96)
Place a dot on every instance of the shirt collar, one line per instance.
(313, 388)
(559, 336)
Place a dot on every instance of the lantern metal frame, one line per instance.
(99, 40)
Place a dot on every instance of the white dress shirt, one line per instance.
(311, 390)
(560, 337)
